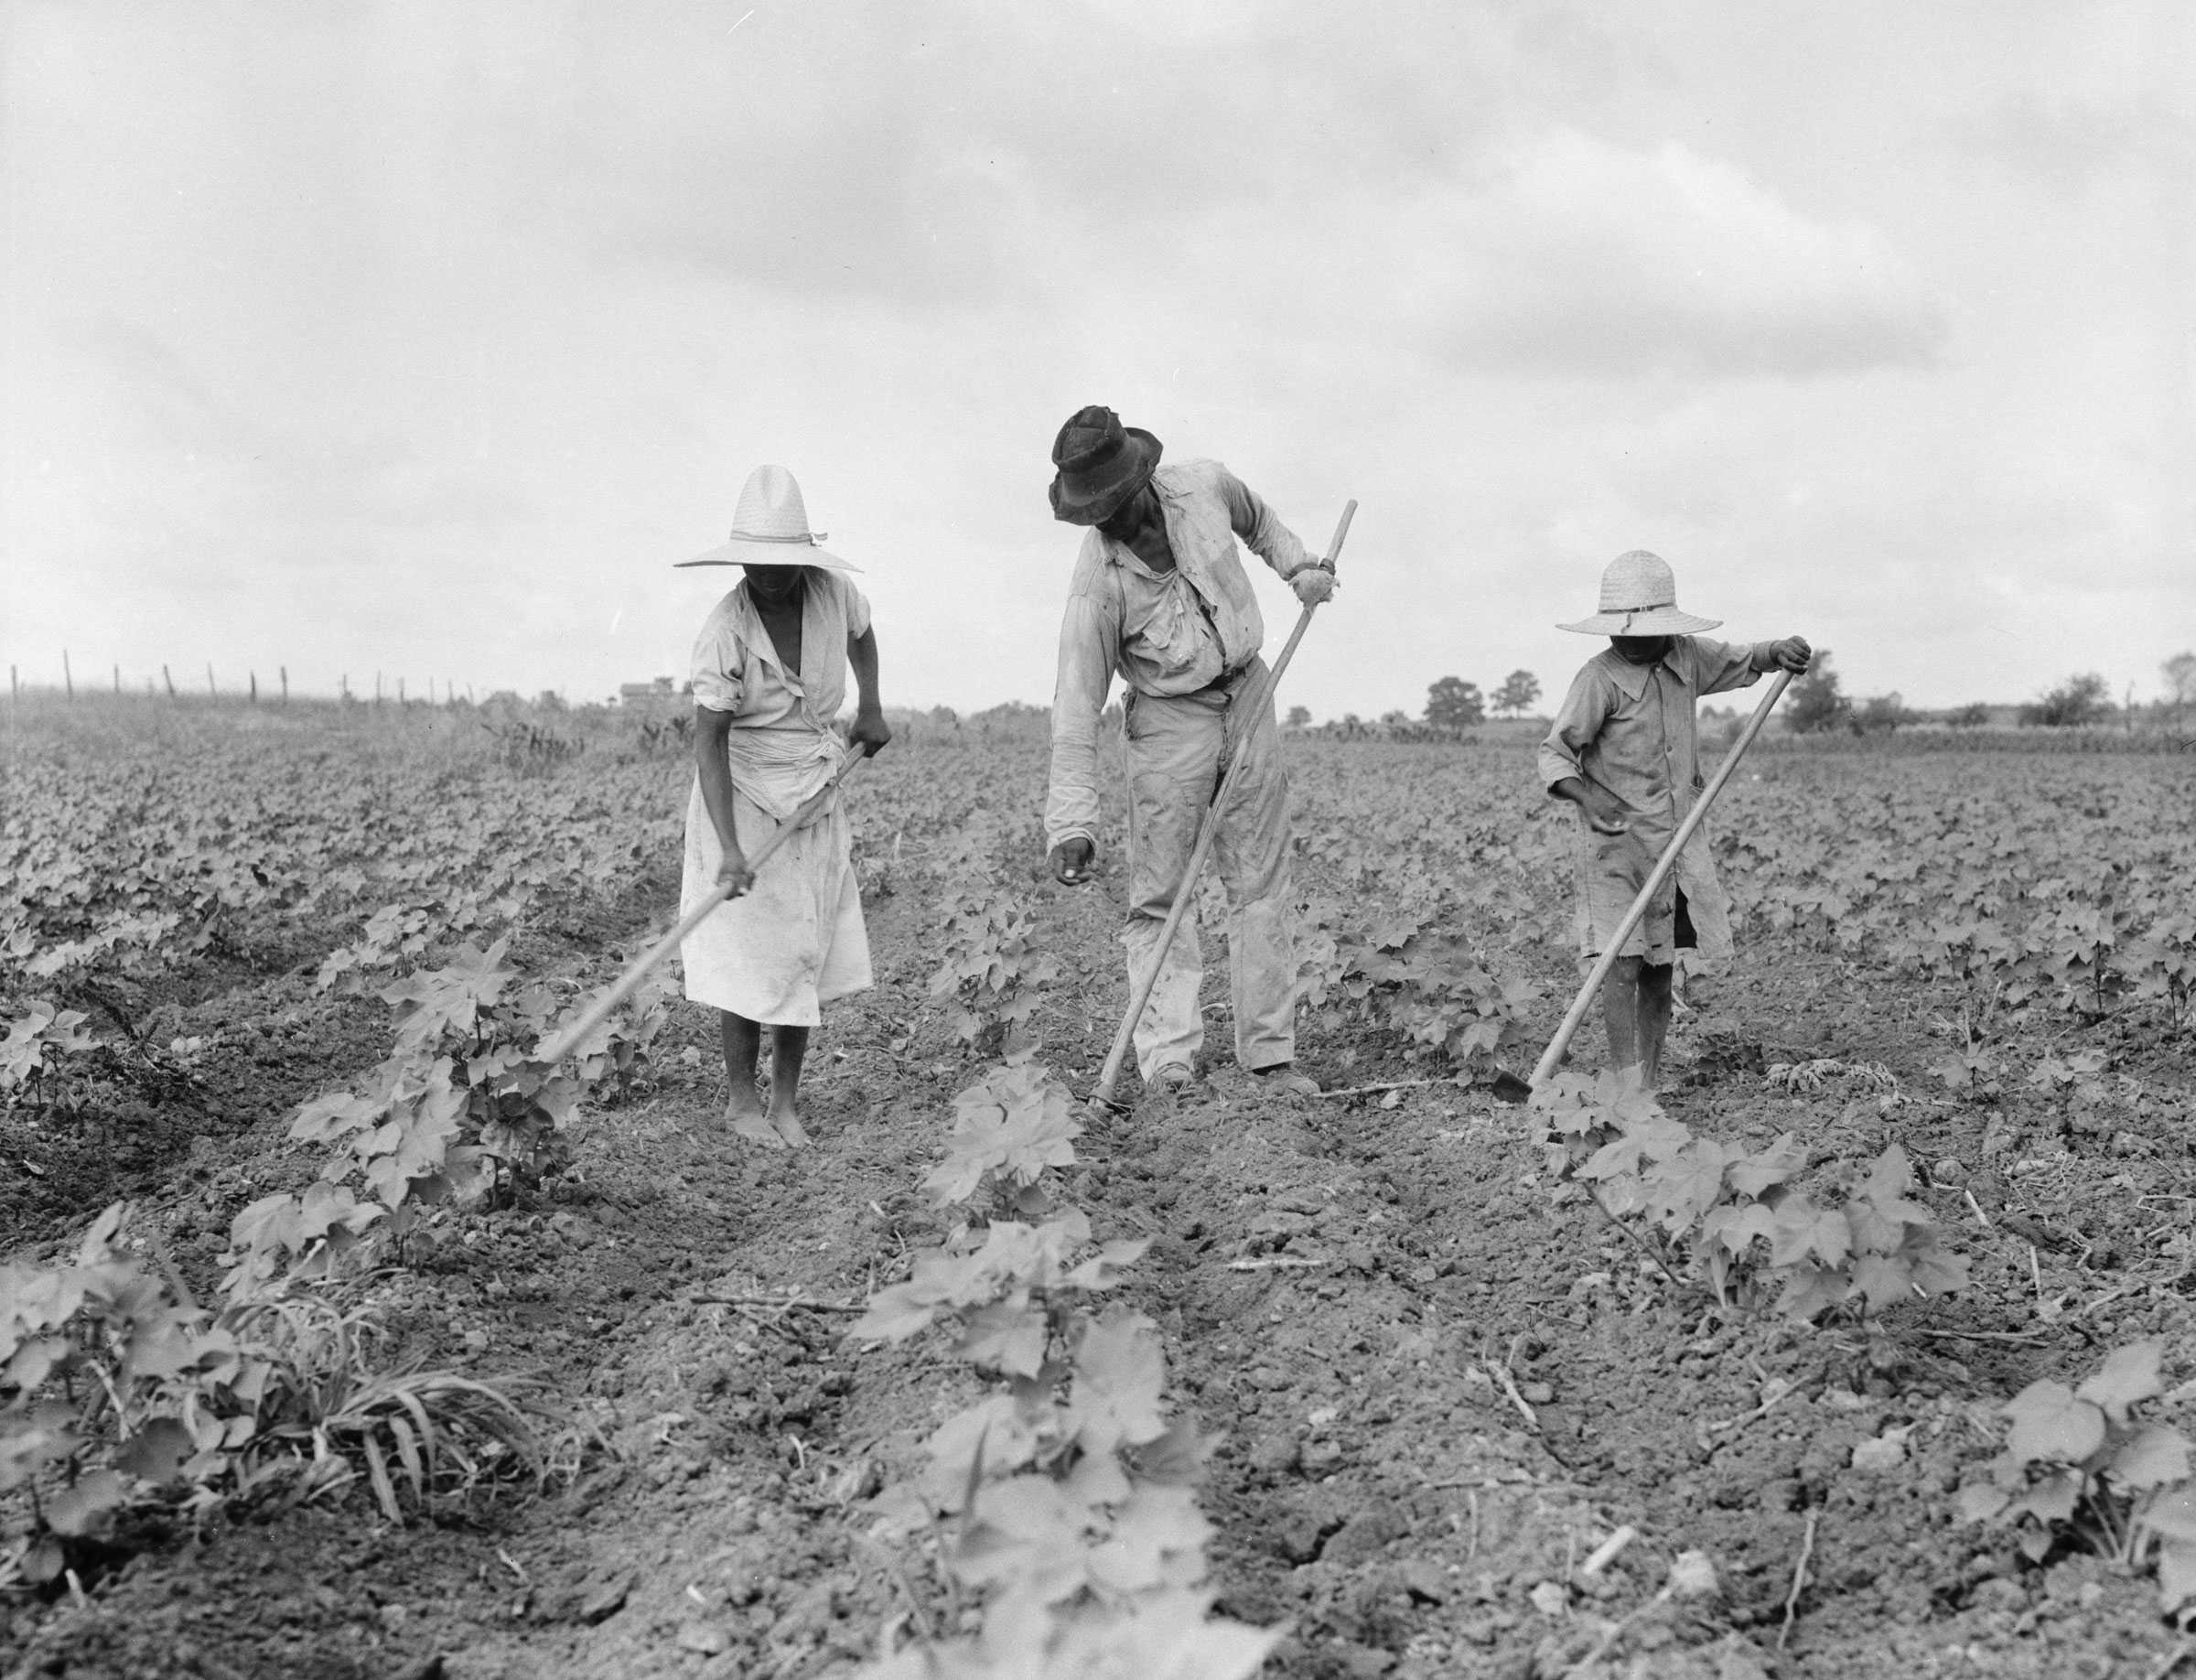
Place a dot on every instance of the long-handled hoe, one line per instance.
(1507, 1087)
(1186, 894)
(599, 1011)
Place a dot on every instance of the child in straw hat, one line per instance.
(769, 674)
(1624, 749)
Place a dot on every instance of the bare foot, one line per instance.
(789, 1126)
(748, 1120)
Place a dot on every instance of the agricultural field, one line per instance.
(341, 1335)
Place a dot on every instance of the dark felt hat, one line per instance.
(1102, 464)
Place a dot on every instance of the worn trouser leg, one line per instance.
(1710, 907)
(1177, 751)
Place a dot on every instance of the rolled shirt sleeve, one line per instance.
(719, 665)
(1090, 631)
(1720, 665)
(1262, 534)
(1578, 721)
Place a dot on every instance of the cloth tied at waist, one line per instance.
(778, 769)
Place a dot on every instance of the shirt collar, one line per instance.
(1631, 678)
(1120, 553)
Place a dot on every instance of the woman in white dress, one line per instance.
(769, 674)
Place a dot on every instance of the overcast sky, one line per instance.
(425, 337)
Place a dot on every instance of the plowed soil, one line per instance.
(1440, 1383)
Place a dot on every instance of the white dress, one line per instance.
(795, 940)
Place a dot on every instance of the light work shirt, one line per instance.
(1166, 634)
(781, 746)
(1631, 729)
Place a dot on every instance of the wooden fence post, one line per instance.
(210, 687)
(68, 681)
(400, 690)
(169, 680)
(254, 687)
(286, 685)
(377, 688)
(15, 687)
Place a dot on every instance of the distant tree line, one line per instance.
(1817, 703)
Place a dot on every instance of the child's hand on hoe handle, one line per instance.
(1790, 654)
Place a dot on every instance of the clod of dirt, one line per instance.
(606, 1598)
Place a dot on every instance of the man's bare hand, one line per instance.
(1313, 584)
(1072, 861)
(871, 732)
(1790, 654)
(734, 874)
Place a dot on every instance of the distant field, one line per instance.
(409, 1346)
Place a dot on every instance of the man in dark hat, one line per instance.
(1160, 595)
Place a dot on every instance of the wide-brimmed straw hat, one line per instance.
(1639, 598)
(769, 527)
(1102, 464)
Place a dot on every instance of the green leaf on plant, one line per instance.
(1119, 1371)
(2176, 1573)
(1803, 1229)
(1981, 1501)
(2051, 1425)
(2130, 1373)
(2172, 1516)
(1769, 1167)
(1006, 1336)
(2151, 1456)
(79, 1509)
(156, 1451)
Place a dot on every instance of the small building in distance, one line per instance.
(647, 693)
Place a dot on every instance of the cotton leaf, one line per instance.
(1103, 1270)
(1769, 1167)
(2173, 1516)
(993, 1433)
(2176, 1573)
(1024, 1533)
(1157, 1525)
(2051, 1425)
(2130, 1373)
(1885, 1279)
(1981, 1501)
(1166, 1635)
(2052, 1500)
(1119, 1371)
(1653, 1137)
(1735, 1228)
(896, 1313)
(76, 1510)
(1804, 1230)
(1811, 1290)
(1006, 1336)
(1683, 1188)
(156, 1451)
(2150, 1458)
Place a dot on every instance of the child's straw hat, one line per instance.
(1639, 598)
